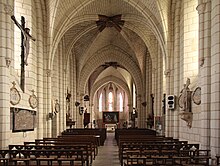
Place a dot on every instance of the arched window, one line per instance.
(120, 103)
(100, 103)
(110, 101)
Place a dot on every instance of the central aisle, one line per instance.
(108, 154)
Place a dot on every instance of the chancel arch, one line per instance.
(101, 57)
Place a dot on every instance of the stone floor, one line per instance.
(108, 154)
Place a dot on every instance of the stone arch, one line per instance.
(114, 79)
(155, 25)
(77, 20)
(107, 54)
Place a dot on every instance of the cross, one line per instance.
(25, 46)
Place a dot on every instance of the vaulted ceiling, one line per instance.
(144, 27)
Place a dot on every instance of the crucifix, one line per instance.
(25, 46)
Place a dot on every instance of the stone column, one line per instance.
(48, 108)
(176, 66)
(61, 74)
(6, 10)
(204, 70)
(91, 111)
(147, 87)
(74, 87)
(215, 77)
(139, 111)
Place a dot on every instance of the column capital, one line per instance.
(167, 73)
(201, 8)
(8, 9)
(48, 72)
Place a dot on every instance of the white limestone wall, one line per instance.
(11, 50)
(5, 54)
(204, 11)
(183, 63)
(33, 80)
(59, 90)
(189, 65)
(215, 77)
(38, 64)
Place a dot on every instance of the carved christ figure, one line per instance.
(26, 41)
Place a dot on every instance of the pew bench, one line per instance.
(64, 142)
(167, 149)
(137, 158)
(45, 156)
(150, 148)
(46, 151)
(82, 138)
(101, 132)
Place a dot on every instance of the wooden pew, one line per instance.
(82, 138)
(93, 147)
(49, 155)
(163, 149)
(167, 155)
(101, 132)
(86, 147)
(59, 155)
(136, 131)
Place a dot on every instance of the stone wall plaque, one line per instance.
(197, 96)
(33, 101)
(15, 96)
(23, 119)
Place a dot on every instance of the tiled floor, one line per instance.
(108, 154)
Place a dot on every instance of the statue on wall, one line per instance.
(68, 96)
(185, 104)
(186, 97)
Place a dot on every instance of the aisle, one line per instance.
(108, 154)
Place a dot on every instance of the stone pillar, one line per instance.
(48, 108)
(215, 77)
(147, 87)
(139, 111)
(74, 87)
(91, 111)
(61, 91)
(169, 78)
(6, 10)
(176, 65)
(79, 122)
(205, 70)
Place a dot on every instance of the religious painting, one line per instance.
(22, 119)
(110, 117)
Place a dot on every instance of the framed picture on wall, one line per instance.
(110, 117)
(22, 119)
